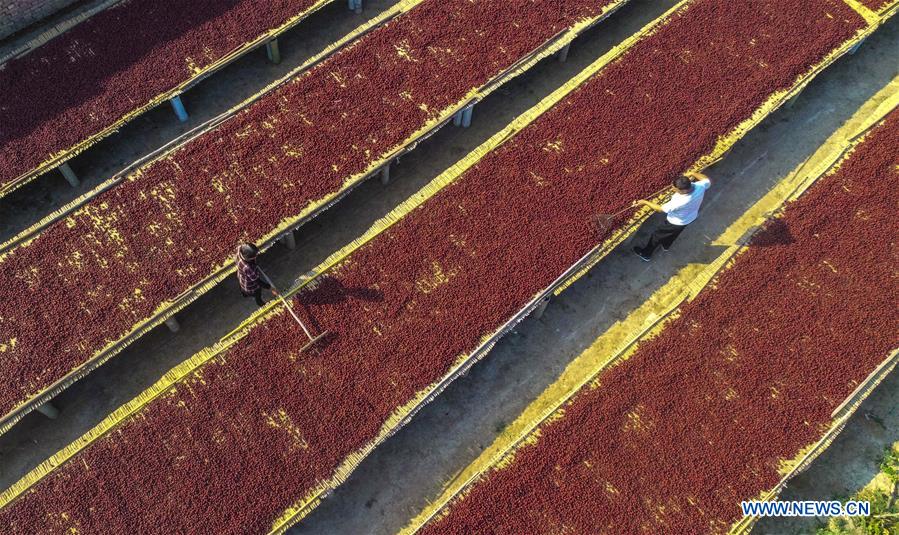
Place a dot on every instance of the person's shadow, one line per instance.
(328, 290)
(774, 232)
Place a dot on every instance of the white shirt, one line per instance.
(683, 208)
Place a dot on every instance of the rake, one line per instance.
(605, 220)
(312, 339)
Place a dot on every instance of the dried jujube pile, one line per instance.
(402, 308)
(169, 227)
(699, 418)
(86, 79)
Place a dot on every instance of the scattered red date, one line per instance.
(91, 76)
(700, 417)
(262, 424)
(170, 227)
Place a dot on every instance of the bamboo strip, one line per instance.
(55, 31)
(184, 370)
(726, 142)
(64, 155)
(650, 319)
(302, 507)
(864, 11)
(168, 309)
(888, 10)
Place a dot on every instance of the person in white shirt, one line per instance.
(681, 210)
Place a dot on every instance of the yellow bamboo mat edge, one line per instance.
(60, 157)
(868, 14)
(726, 142)
(304, 506)
(208, 125)
(619, 341)
(168, 309)
(888, 10)
(271, 309)
(846, 409)
(810, 453)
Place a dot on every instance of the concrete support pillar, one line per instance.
(289, 240)
(355, 5)
(49, 410)
(541, 308)
(273, 52)
(463, 117)
(466, 116)
(173, 324)
(69, 175)
(179, 108)
(563, 54)
(385, 174)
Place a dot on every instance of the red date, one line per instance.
(262, 424)
(112, 264)
(700, 417)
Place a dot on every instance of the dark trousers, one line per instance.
(663, 235)
(258, 293)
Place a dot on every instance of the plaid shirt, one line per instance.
(248, 276)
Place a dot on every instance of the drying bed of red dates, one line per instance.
(700, 417)
(111, 264)
(262, 424)
(86, 79)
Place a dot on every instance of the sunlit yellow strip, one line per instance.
(169, 309)
(870, 16)
(889, 100)
(59, 157)
(726, 142)
(809, 454)
(619, 341)
(271, 309)
(888, 10)
(304, 506)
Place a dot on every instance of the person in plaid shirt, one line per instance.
(251, 279)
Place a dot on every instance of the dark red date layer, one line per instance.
(700, 417)
(172, 225)
(267, 424)
(91, 76)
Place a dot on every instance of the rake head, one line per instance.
(604, 221)
(313, 341)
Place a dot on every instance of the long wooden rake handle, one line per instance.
(606, 219)
(286, 304)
